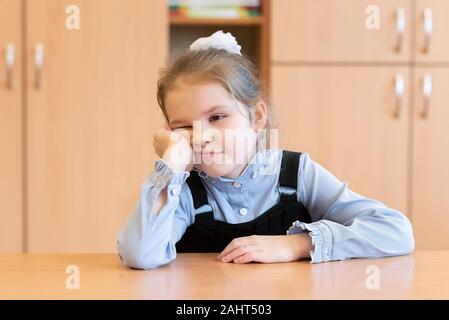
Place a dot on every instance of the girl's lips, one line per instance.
(209, 155)
(208, 152)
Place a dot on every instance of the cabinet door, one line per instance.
(430, 204)
(336, 30)
(10, 127)
(432, 30)
(344, 117)
(91, 119)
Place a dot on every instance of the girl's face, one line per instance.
(223, 133)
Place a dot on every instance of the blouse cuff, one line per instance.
(321, 239)
(164, 175)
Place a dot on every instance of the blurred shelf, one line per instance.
(252, 32)
(250, 21)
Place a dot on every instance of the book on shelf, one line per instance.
(215, 3)
(232, 9)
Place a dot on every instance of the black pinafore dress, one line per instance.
(209, 235)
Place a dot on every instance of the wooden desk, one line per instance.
(422, 275)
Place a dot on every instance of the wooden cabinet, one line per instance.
(336, 30)
(11, 128)
(430, 193)
(430, 119)
(76, 131)
(345, 117)
(432, 30)
(90, 124)
(336, 86)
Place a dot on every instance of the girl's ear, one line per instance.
(260, 115)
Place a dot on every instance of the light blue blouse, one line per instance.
(344, 224)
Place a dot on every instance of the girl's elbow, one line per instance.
(405, 239)
(139, 257)
(409, 241)
(136, 260)
(406, 244)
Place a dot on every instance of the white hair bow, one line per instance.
(218, 40)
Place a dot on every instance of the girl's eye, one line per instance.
(217, 117)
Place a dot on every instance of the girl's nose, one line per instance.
(206, 142)
(206, 139)
(201, 139)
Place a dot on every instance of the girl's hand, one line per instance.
(267, 249)
(174, 148)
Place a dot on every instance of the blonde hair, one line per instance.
(237, 74)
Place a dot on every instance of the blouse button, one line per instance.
(243, 211)
(237, 184)
(253, 175)
(174, 191)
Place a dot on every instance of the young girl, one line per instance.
(217, 188)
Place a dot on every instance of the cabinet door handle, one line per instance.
(10, 59)
(428, 28)
(427, 92)
(38, 63)
(400, 28)
(399, 90)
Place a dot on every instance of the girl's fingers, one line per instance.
(237, 242)
(238, 252)
(233, 254)
(184, 133)
(230, 247)
(247, 257)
